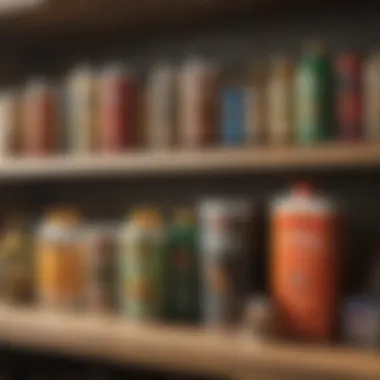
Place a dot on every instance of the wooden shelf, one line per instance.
(190, 350)
(187, 162)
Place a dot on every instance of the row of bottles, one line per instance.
(318, 98)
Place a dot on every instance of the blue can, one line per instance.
(232, 116)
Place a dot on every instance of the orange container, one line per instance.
(305, 264)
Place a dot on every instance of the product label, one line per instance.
(305, 272)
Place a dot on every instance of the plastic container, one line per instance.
(305, 265)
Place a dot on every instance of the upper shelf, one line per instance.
(191, 350)
(90, 20)
(210, 161)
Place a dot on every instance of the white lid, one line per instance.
(307, 201)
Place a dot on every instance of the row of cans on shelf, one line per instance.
(199, 266)
(197, 104)
(145, 268)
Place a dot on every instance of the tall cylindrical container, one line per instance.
(280, 102)
(232, 110)
(39, 130)
(81, 108)
(100, 245)
(371, 96)
(117, 108)
(142, 276)
(60, 261)
(183, 268)
(256, 105)
(225, 250)
(197, 106)
(9, 123)
(161, 112)
(305, 263)
(313, 101)
(348, 96)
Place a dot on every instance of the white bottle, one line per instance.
(371, 96)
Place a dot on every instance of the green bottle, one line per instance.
(183, 291)
(313, 96)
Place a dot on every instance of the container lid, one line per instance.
(303, 198)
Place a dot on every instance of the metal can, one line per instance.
(313, 101)
(100, 246)
(142, 266)
(117, 129)
(348, 74)
(224, 228)
(60, 260)
(15, 265)
(80, 105)
(371, 96)
(256, 105)
(183, 267)
(280, 102)
(8, 123)
(39, 131)
(161, 93)
(232, 109)
(197, 104)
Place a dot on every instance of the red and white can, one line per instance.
(348, 71)
(117, 129)
(39, 130)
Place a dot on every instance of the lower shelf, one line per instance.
(191, 350)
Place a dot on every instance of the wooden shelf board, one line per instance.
(182, 162)
(191, 350)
